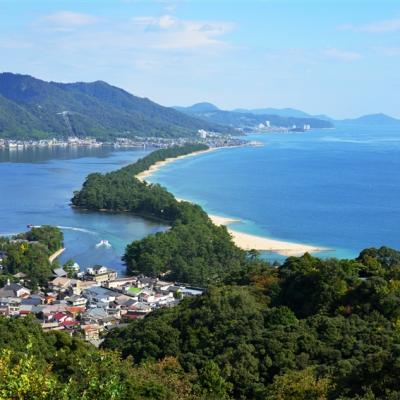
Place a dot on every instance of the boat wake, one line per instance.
(103, 243)
(72, 228)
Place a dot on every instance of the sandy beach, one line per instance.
(56, 255)
(155, 167)
(245, 241)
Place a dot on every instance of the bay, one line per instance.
(36, 186)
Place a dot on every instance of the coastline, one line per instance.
(159, 164)
(247, 241)
(56, 254)
(243, 240)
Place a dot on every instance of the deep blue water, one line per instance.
(334, 188)
(36, 186)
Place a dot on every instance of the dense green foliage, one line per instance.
(197, 252)
(194, 250)
(31, 108)
(121, 191)
(54, 366)
(29, 253)
(50, 236)
(311, 329)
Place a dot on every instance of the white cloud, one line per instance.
(168, 32)
(388, 25)
(342, 55)
(68, 20)
(388, 51)
(163, 22)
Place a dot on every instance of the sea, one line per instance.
(36, 186)
(338, 189)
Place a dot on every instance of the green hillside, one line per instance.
(32, 108)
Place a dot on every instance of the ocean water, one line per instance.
(36, 186)
(338, 188)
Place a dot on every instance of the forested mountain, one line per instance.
(374, 119)
(32, 108)
(283, 112)
(311, 329)
(248, 119)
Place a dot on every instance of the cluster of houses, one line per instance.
(91, 302)
(210, 138)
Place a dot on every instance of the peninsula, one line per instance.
(197, 248)
(245, 241)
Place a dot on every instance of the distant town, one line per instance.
(211, 139)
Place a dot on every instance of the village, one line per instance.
(211, 139)
(89, 303)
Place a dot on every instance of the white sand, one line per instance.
(218, 220)
(155, 167)
(243, 240)
(247, 241)
(55, 255)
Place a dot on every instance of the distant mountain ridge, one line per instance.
(283, 112)
(210, 111)
(32, 108)
(373, 119)
(248, 119)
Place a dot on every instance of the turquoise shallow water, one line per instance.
(334, 188)
(36, 186)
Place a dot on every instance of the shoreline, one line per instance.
(56, 254)
(245, 241)
(248, 241)
(159, 164)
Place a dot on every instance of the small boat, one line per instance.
(103, 243)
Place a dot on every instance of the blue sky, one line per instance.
(341, 58)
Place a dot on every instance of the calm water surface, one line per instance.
(334, 188)
(37, 184)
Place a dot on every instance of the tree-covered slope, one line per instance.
(310, 330)
(55, 366)
(32, 108)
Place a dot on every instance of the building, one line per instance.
(91, 332)
(62, 285)
(76, 300)
(100, 317)
(59, 272)
(10, 306)
(99, 296)
(100, 273)
(120, 282)
(14, 290)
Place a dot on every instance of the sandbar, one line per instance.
(159, 164)
(243, 240)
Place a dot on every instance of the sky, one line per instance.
(340, 58)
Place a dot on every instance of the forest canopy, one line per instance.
(310, 329)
